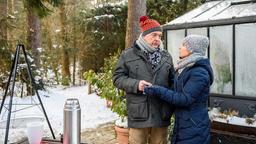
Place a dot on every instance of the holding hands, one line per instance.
(160, 92)
(143, 84)
(155, 90)
(148, 88)
(152, 90)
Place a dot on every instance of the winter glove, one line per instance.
(161, 92)
(152, 90)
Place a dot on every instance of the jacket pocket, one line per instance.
(138, 110)
(167, 111)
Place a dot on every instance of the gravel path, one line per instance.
(104, 134)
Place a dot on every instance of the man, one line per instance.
(139, 66)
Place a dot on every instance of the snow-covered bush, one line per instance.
(104, 85)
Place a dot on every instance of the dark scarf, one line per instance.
(153, 55)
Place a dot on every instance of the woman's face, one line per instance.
(183, 52)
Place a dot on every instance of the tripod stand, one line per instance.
(13, 77)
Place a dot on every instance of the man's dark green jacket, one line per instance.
(143, 110)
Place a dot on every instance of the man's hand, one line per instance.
(143, 84)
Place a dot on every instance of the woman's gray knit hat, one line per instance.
(196, 43)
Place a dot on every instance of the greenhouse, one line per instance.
(231, 28)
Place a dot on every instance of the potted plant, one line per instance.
(105, 89)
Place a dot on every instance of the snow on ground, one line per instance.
(214, 115)
(234, 120)
(93, 111)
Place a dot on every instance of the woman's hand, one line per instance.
(159, 91)
(152, 90)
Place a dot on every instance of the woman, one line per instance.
(191, 90)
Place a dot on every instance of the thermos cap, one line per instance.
(72, 103)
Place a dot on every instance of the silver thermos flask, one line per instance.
(72, 122)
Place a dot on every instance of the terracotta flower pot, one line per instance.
(122, 135)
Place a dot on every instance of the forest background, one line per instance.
(65, 38)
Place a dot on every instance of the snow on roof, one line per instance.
(215, 10)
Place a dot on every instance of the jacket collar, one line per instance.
(139, 52)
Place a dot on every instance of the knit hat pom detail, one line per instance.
(143, 18)
(148, 25)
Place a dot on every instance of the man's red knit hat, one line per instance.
(148, 25)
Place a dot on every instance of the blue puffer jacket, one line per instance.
(191, 91)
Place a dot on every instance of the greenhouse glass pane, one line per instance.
(188, 16)
(249, 11)
(213, 11)
(221, 58)
(174, 40)
(198, 31)
(245, 60)
(232, 11)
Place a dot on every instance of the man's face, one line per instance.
(153, 39)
